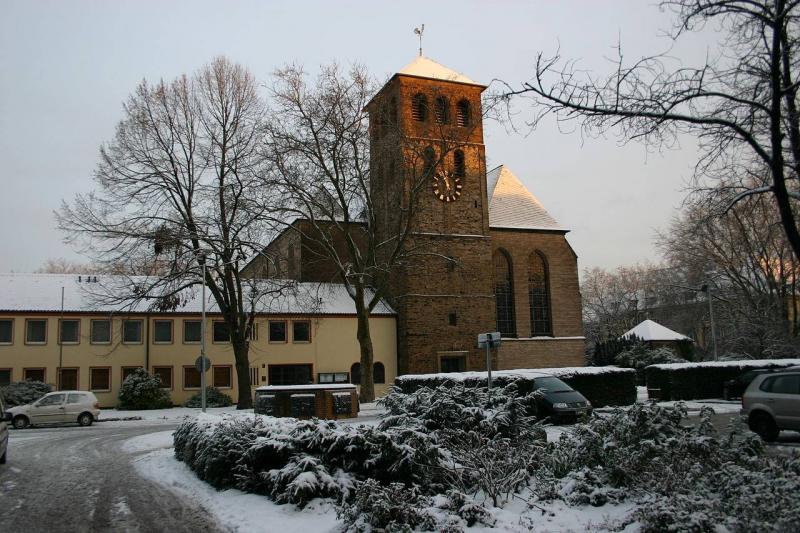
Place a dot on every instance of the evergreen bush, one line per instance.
(214, 398)
(23, 392)
(141, 390)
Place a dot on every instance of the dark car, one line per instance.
(559, 402)
(734, 388)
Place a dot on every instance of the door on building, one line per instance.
(68, 379)
(48, 410)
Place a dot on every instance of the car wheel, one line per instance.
(21, 422)
(85, 419)
(765, 427)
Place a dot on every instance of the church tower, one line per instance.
(428, 175)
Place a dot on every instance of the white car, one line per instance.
(57, 408)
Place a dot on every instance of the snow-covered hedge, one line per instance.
(141, 390)
(681, 477)
(691, 381)
(23, 392)
(430, 442)
(601, 385)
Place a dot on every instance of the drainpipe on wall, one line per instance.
(147, 343)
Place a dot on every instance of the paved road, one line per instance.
(75, 479)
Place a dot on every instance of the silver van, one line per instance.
(772, 403)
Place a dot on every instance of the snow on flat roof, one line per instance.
(750, 363)
(522, 373)
(648, 330)
(513, 206)
(425, 67)
(42, 292)
(315, 386)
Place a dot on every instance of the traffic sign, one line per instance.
(202, 364)
(489, 340)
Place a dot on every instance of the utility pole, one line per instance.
(706, 288)
(203, 341)
(60, 341)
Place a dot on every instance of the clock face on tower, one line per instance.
(446, 186)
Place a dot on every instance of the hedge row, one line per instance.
(695, 381)
(608, 385)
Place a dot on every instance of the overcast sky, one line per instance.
(67, 66)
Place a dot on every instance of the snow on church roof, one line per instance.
(648, 330)
(425, 67)
(512, 205)
(42, 293)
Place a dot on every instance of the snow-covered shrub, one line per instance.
(466, 438)
(23, 392)
(141, 390)
(639, 356)
(214, 398)
(390, 508)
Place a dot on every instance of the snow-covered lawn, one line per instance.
(172, 414)
(242, 512)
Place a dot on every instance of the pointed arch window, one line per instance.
(393, 111)
(463, 113)
(459, 168)
(442, 109)
(419, 107)
(539, 295)
(504, 293)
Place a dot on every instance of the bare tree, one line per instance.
(322, 159)
(179, 185)
(60, 265)
(741, 105)
(746, 257)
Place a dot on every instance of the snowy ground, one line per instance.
(241, 512)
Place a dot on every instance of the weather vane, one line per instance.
(419, 31)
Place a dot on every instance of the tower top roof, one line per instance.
(425, 67)
(513, 206)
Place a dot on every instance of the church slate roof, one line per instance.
(425, 67)
(513, 206)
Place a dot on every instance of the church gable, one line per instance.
(513, 206)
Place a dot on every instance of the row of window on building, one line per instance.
(163, 331)
(538, 294)
(100, 377)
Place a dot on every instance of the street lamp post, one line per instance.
(706, 288)
(203, 342)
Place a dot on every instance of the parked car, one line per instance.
(559, 402)
(734, 388)
(57, 408)
(772, 403)
(5, 418)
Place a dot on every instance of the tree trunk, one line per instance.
(365, 344)
(241, 350)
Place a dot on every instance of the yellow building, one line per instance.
(93, 346)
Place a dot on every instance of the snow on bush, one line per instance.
(684, 478)
(23, 392)
(444, 459)
(141, 390)
(639, 356)
(432, 441)
(214, 398)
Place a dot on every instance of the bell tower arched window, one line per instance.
(419, 107)
(442, 109)
(463, 113)
(504, 293)
(539, 295)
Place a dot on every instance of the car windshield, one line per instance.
(551, 384)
